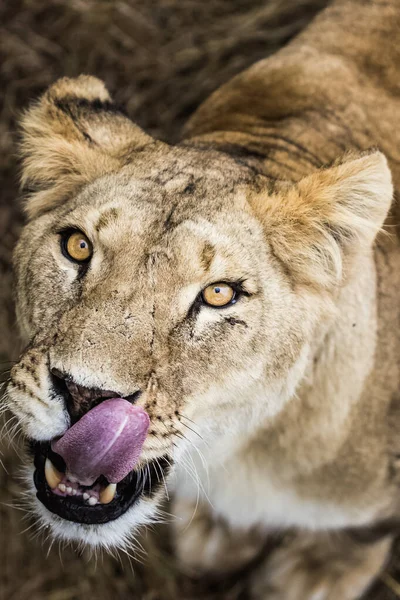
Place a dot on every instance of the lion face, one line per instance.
(182, 283)
(134, 320)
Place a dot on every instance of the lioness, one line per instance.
(240, 290)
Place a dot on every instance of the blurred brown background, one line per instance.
(160, 59)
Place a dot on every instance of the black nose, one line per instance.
(80, 399)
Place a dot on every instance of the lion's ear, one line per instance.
(318, 225)
(73, 134)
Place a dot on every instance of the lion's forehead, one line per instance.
(188, 193)
(162, 223)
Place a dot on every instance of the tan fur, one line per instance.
(285, 404)
(66, 144)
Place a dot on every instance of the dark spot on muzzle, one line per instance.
(80, 399)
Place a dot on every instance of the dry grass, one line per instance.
(160, 58)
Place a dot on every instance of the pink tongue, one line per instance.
(105, 441)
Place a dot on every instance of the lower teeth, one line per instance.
(57, 480)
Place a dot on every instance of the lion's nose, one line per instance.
(80, 399)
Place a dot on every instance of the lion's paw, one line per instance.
(311, 567)
(206, 544)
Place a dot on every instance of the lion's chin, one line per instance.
(73, 518)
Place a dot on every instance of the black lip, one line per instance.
(129, 490)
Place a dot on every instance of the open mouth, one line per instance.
(98, 503)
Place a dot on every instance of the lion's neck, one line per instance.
(319, 418)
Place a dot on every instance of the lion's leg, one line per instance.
(311, 566)
(205, 544)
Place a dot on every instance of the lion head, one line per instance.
(173, 277)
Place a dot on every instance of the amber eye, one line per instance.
(219, 294)
(77, 247)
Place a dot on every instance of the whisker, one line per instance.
(191, 429)
(149, 475)
(27, 528)
(13, 506)
(163, 478)
(163, 513)
(59, 554)
(50, 547)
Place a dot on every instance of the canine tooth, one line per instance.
(62, 487)
(92, 501)
(74, 492)
(86, 496)
(107, 495)
(53, 477)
